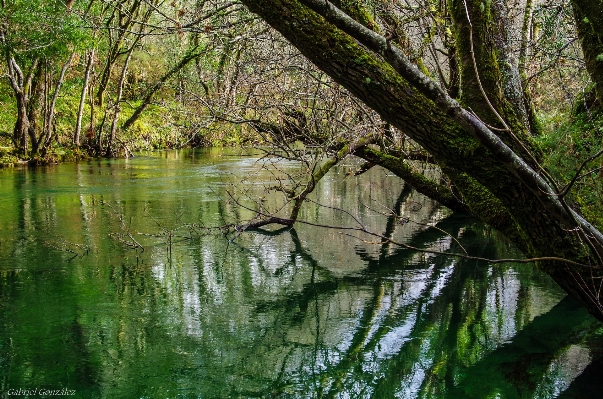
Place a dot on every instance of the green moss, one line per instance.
(357, 10)
(481, 202)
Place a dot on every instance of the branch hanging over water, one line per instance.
(271, 219)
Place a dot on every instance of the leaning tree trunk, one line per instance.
(188, 57)
(504, 165)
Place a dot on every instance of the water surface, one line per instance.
(112, 285)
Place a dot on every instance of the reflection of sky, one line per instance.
(211, 296)
(402, 306)
(501, 305)
(562, 371)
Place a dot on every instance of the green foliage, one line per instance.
(41, 29)
(568, 145)
(7, 115)
(7, 157)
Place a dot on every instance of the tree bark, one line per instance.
(110, 151)
(21, 85)
(589, 20)
(80, 111)
(385, 80)
(50, 119)
(37, 103)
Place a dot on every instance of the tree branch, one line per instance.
(541, 190)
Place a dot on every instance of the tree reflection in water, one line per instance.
(297, 313)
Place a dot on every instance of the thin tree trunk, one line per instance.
(22, 124)
(36, 105)
(526, 37)
(117, 107)
(49, 120)
(80, 111)
(526, 30)
(127, 20)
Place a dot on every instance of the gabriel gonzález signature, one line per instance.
(40, 392)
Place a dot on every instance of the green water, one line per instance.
(112, 287)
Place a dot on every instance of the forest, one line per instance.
(503, 97)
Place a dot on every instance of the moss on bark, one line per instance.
(481, 41)
(417, 180)
(589, 21)
(373, 81)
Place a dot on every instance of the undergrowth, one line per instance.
(167, 124)
(568, 142)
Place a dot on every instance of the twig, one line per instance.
(577, 176)
(288, 222)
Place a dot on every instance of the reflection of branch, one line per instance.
(399, 220)
(458, 255)
(442, 231)
(508, 159)
(385, 239)
(70, 247)
(132, 243)
(422, 184)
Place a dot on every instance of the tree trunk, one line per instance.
(190, 55)
(455, 137)
(490, 82)
(21, 85)
(589, 20)
(21, 128)
(35, 106)
(45, 141)
(526, 38)
(80, 111)
(117, 106)
(508, 61)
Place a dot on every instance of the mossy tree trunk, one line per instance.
(491, 182)
(589, 20)
(490, 82)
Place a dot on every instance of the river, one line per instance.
(113, 284)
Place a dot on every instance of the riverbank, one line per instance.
(9, 157)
